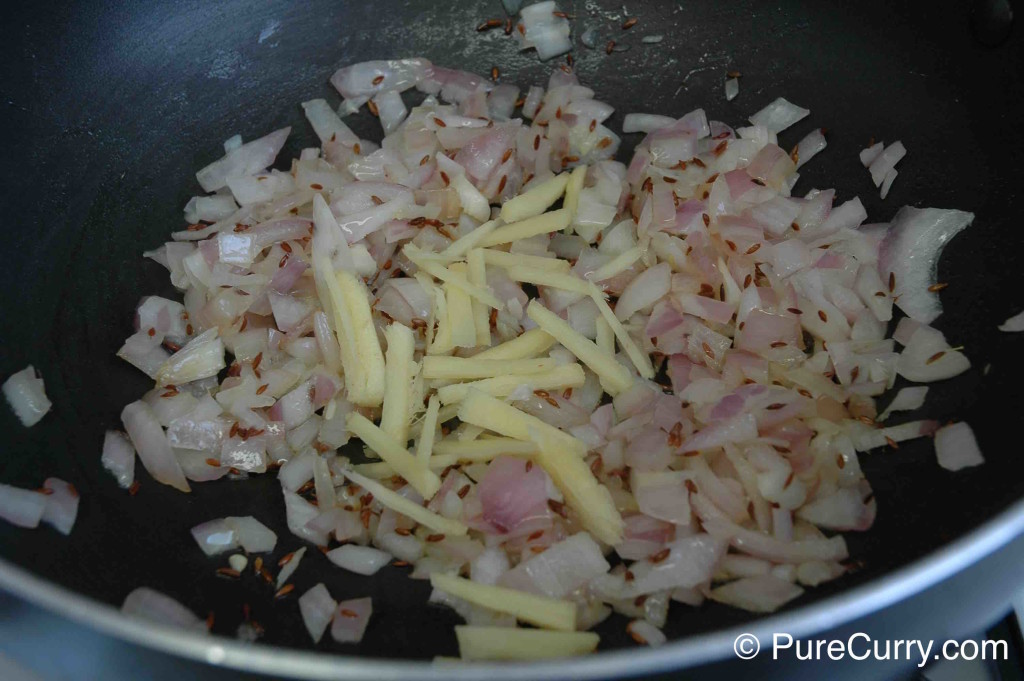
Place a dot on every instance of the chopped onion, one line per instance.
(868, 156)
(779, 115)
(956, 447)
(927, 357)
(644, 291)
(769, 310)
(299, 513)
(201, 357)
(362, 560)
(360, 82)
(732, 88)
(843, 510)
(561, 569)
(544, 30)
(151, 443)
(253, 536)
(489, 566)
(810, 146)
(910, 253)
(21, 507)
(24, 391)
(646, 633)
(153, 606)
(290, 567)
(1014, 323)
(61, 505)
(637, 122)
(887, 182)
(907, 399)
(317, 608)
(512, 493)
(215, 536)
(248, 159)
(119, 457)
(690, 561)
(763, 593)
(884, 163)
(350, 620)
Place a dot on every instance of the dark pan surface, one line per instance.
(109, 108)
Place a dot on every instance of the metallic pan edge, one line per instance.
(684, 653)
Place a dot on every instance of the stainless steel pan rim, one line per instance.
(687, 652)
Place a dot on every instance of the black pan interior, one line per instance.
(109, 108)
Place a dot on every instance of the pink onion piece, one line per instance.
(483, 154)
(350, 620)
(737, 429)
(644, 536)
(295, 407)
(286, 277)
(511, 494)
(667, 501)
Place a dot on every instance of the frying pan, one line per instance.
(109, 108)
